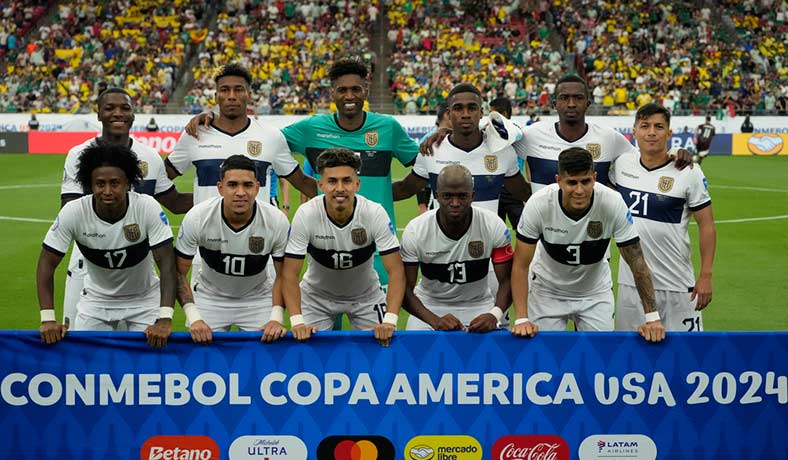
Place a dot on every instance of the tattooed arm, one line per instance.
(652, 331)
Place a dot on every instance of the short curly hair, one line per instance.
(233, 70)
(102, 154)
(348, 66)
(334, 158)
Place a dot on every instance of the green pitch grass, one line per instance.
(750, 196)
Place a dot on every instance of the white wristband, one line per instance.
(519, 321)
(653, 316)
(296, 320)
(390, 318)
(192, 313)
(277, 314)
(497, 312)
(48, 315)
(166, 312)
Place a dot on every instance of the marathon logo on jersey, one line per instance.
(542, 447)
(476, 249)
(267, 447)
(179, 447)
(256, 244)
(594, 229)
(144, 168)
(595, 150)
(355, 448)
(132, 232)
(359, 236)
(665, 184)
(371, 138)
(491, 163)
(254, 148)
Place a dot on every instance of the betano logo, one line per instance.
(355, 448)
(460, 447)
(765, 144)
(531, 447)
(179, 448)
(620, 446)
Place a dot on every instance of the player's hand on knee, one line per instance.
(200, 332)
(193, 127)
(303, 331)
(273, 331)
(158, 332)
(526, 329)
(52, 332)
(485, 322)
(652, 331)
(384, 332)
(435, 138)
(449, 323)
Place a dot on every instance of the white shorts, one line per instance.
(594, 313)
(135, 319)
(465, 314)
(676, 310)
(246, 317)
(75, 279)
(363, 315)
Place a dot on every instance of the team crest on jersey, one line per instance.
(595, 150)
(359, 236)
(491, 163)
(665, 184)
(476, 248)
(132, 232)
(594, 229)
(256, 244)
(144, 168)
(371, 138)
(254, 148)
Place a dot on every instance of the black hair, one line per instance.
(237, 162)
(233, 70)
(650, 109)
(503, 106)
(443, 107)
(348, 66)
(575, 160)
(103, 154)
(334, 158)
(572, 78)
(464, 88)
(111, 90)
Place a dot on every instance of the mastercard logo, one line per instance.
(765, 144)
(355, 448)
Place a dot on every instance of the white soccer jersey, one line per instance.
(265, 145)
(541, 144)
(119, 262)
(570, 257)
(454, 272)
(489, 169)
(233, 271)
(340, 257)
(661, 201)
(154, 176)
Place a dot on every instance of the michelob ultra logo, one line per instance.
(268, 447)
(459, 447)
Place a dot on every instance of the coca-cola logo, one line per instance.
(531, 447)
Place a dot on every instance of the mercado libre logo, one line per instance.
(460, 447)
(765, 144)
(355, 448)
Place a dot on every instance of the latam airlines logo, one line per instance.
(619, 446)
(532, 447)
(179, 448)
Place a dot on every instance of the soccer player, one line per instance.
(424, 196)
(236, 235)
(116, 230)
(507, 205)
(453, 245)
(563, 235)
(341, 230)
(662, 199)
(702, 137)
(117, 117)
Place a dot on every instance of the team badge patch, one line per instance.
(491, 163)
(256, 244)
(254, 148)
(594, 229)
(371, 138)
(144, 168)
(595, 150)
(665, 184)
(359, 236)
(132, 232)
(476, 248)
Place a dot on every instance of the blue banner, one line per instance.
(430, 396)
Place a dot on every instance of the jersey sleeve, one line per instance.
(163, 183)
(61, 233)
(509, 156)
(299, 234)
(529, 229)
(623, 224)
(70, 186)
(618, 163)
(501, 242)
(405, 149)
(187, 244)
(409, 245)
(420, 167)
(181, 156)
(284, 163)
(621, 146)
(158, 227)
(384, 231)
(280, 236)
(295, 135)
(698, 191)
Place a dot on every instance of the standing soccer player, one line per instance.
(662, 199)
(564, 233)
(117, 117)
(454, 245)
(116, 230)
(702, 137)
(341, 231)
(236, 235)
